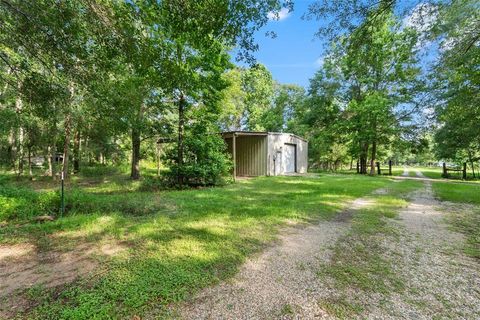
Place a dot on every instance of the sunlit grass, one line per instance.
(431, 172)
(464, 219)
(177, 241)
(457, 192)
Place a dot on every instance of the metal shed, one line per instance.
(266, 153)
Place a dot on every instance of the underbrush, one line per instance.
(98, 170)
(22, 203)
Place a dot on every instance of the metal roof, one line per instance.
(260, 133)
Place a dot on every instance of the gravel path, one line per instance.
(281, 281)
(406, 172)
(441, 282)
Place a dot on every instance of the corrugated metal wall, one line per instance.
(251, 155)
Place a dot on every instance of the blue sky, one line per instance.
(295, 54)
(292, 57)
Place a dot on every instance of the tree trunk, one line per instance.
(52, 149)
(181, 128)
(363, 158)
(66, 145)
(21, 154)
(135, 169)
(49, 161)
(373, 158)
(30, 173)
(159, 158)
(13, 150)
(21, 135)
(471, 163)
(136, 141)
(89, 157)
(76, 152)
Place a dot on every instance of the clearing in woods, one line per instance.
(411, 265)
(322, 246)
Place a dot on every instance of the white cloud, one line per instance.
(283, 14)
(319, 62)
(422, 17)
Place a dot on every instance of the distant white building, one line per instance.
(267, 153)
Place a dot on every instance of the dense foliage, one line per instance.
(95, 81)
(374, 96)
(111, 82)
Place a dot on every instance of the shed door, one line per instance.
(290, 158)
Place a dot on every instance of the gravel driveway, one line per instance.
(281, 283)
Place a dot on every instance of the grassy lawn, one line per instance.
(397, 170)
(430, 172)
(436, 173)
(178, 241)
(464, 219)
(456, 192)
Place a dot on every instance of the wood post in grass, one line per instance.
(234, 153)
(389, 167)
(378, 168)
(463, 170)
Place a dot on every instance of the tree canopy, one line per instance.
(121, 81)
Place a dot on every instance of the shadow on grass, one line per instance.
(179, 241)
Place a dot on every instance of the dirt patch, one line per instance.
(15, 251)
(280, 283)
(347, 214)
(23, 267)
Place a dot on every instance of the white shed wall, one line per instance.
(276, 153)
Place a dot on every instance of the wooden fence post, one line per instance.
(464, 176)
(378, 168)
(389, 167)
(444, 174)
(234, 154)
(358, 166)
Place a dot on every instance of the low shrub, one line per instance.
(23, 203)
(153, 183)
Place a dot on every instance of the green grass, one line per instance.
(359, 263)
(457, 192)
(463, 219)
(397, 170)
(436, 173)
(430, 172)
(178, 241)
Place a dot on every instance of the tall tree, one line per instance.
(368, 85)
(456, 82)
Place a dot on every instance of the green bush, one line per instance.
(206, 161)
(151, 183)
(23, 203)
